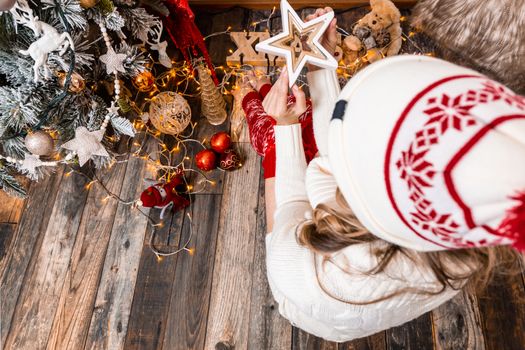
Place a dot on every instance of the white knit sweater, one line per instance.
(306, 298)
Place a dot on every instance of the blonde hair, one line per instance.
(332, 229)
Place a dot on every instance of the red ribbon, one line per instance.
(184, 33)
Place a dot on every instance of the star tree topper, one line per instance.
(299, 42)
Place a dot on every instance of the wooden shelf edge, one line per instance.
(268, 4)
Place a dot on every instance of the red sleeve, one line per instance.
(268, 163)
(264, 90)
(252, 95)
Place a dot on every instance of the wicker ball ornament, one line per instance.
(39, 143)
(169, 113)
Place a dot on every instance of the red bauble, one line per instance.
(220, 142)
(206, 160)
(230, 160)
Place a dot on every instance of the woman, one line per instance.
(360, 240)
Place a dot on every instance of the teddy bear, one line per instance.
(351, 47)
(379, 31)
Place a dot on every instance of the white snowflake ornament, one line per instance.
(86, 144)
(114, 61)
(30, 163)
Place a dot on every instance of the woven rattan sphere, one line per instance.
(169, 113)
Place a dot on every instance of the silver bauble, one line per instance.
(6, 5)
(40, 143)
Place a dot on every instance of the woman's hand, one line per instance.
(276, 102)
(329, 38)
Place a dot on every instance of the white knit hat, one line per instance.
(430, 155)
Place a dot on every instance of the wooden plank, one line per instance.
(268, 4)
(7, 234)
(233, 270)
(40, 293)
(267, 329)
(373, 342)
(75, 307)
(155, 281)
(414, 335)
(10, 208)
(33, 223)
(115, 293)
(220, 46)
(305, 341)
(458, 324)
(188, 311)
(503, 314)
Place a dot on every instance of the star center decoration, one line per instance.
(299, 42)
(86, 144)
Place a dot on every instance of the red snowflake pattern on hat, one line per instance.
(445, 113)
(415, 170)
(438, 224)
(499, 92)
(449, 112)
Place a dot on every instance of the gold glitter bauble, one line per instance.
(144, 81)
(77, 83)
(40, 143)
(169, 113)
(88, 3)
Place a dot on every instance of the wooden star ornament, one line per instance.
(299, 42)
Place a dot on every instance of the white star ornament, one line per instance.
(114, 61)
(86, 144)
(299, 42)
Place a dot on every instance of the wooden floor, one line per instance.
(77, 271)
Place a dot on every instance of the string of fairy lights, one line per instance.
(173, 157)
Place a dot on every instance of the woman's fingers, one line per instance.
(299, 107)
(275, 103)
(332, 32)
(282, 82)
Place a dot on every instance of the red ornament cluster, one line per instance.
(221, 154)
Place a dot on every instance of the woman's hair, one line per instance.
(332, 229)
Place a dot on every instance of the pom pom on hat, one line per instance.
(150, 197)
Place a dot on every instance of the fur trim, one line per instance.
(488, 35)
(513, 226)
